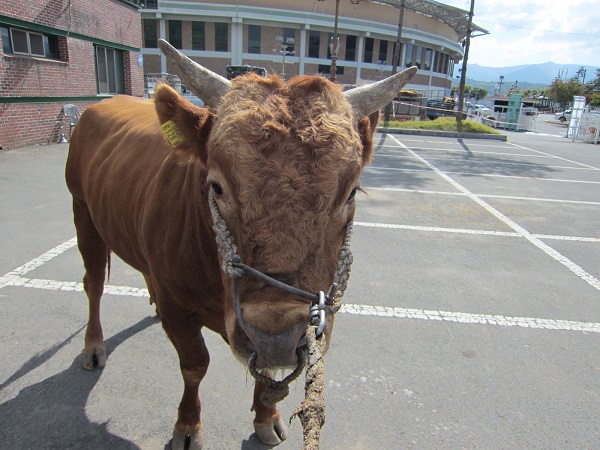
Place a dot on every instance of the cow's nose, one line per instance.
(276, 351)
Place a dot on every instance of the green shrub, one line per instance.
(442, 124)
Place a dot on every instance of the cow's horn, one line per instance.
(207, 85)
(371, 97)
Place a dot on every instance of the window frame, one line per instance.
(314, 43)
(351, 47)
(368, 52)
(198, 35)
(47, 42)
(254, 39)
(383, 43)
(117, 77)
(221, 36)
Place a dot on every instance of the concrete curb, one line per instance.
(452, 134)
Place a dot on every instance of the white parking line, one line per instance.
(468, 231)
(15, 278)
(577, 270)
(552, 156)
(362, 310)
(7, 279)
(460, 194)
(485, 161)
(482, 319)
(493, 175)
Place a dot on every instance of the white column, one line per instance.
(301, 52)
(360, 57)
(237, 35)
(162, 33)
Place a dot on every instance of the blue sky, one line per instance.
(535, 31)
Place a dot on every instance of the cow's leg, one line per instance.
(95, 257)
(268, 424)
(184, 331)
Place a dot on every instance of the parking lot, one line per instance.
(472, 318)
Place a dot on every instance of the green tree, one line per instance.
(478, 93)
(594, 100)
(562, 92)
(595, 83)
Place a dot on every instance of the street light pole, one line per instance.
(284, 43)
(335, 45)
(463, 74)
(395, 59)
(500, 83)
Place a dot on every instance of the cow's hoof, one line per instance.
(96, 357)
(196, 440)
(271, 434)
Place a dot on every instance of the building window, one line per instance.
(394, 54)
(198, 42)
(408, 57)
(445, 69)
(427, 63)
(418, 57)
(23, 42)
(369, 44)
(221, 37)
(350, 48)
(325, 69)
(289, 37)
(150, 33)
(383, 47)
(175, 35)
(253, 38)
(314, 44)
(109, 70)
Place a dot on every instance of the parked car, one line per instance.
(563, 116)
(482, 110)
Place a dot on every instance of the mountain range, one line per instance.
(538, 74)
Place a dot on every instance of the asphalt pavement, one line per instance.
(472, 318)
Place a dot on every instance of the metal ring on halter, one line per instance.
(317, 314)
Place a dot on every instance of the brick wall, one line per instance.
(33, 123)
(73, 75)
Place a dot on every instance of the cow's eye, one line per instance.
(217, 189)
(352, 195)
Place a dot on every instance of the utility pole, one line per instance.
(395, 60)
(335, 45)
(463, 74)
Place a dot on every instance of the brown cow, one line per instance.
(282, 162)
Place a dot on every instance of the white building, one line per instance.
(268, 32)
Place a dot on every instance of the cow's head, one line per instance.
(283, 160)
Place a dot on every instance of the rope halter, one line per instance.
(320, 304)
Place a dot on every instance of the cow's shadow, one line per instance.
(51, 413)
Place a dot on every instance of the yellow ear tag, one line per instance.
(173, 133)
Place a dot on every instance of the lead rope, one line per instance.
(312, 410)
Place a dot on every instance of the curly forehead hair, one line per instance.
(308, 109)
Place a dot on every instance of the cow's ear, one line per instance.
(183, 124)
(366, 128)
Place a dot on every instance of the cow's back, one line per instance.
(146, 200)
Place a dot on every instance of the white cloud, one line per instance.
(535, 31)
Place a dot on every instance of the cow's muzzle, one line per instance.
(319, 304)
